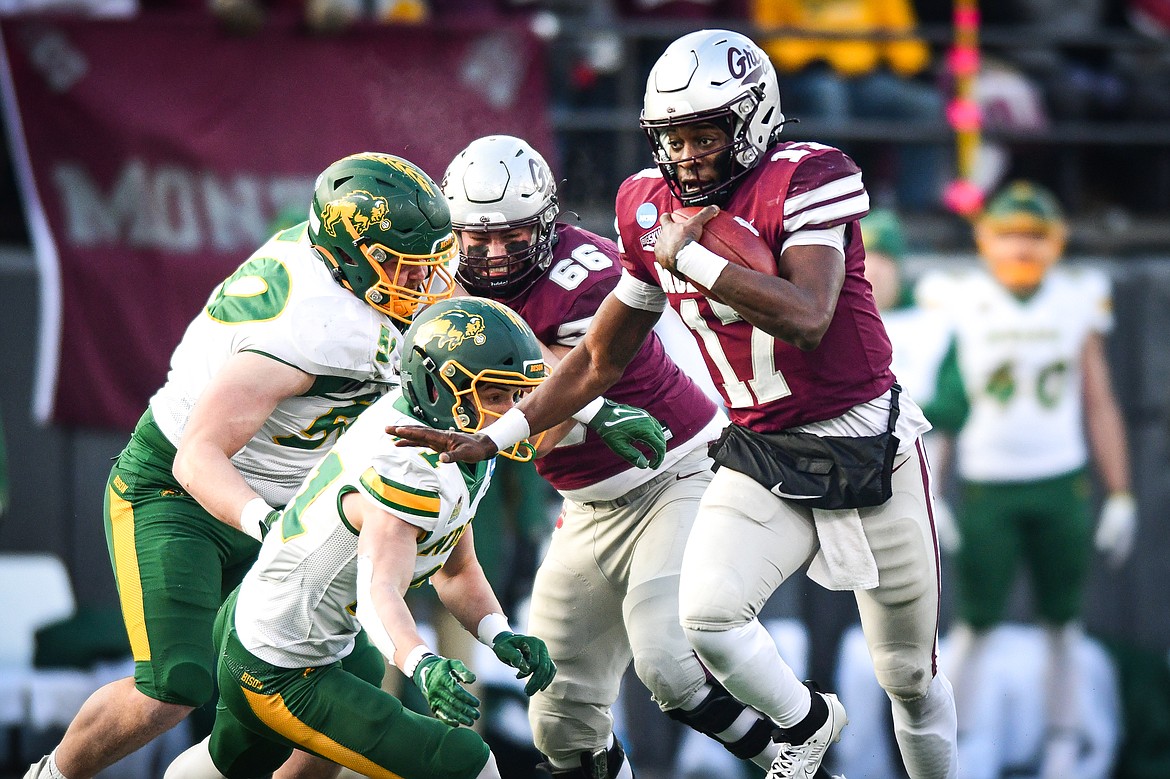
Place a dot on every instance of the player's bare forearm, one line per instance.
(1103, 422)
(592, 367)
(233, 406)
(796, 307)
(463, 588)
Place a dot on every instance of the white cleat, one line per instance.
(803, 760)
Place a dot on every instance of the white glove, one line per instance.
(946, 527)
(1115, 528)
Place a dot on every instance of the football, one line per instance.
(735, 241)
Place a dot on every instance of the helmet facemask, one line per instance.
(468, 411)
(505, 276)
(456, 348)
(728, 171)
(390, 291)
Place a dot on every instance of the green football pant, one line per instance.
(265, 712)
(1045, 524)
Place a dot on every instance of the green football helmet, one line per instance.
(384, 229)
(456, 346)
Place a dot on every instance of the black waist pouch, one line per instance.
(824, 472)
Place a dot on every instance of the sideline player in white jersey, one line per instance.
(370, 522)
(822, 465)
(1025, 377)
(285, 353)
(606, 593)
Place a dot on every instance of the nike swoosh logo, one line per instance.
(776, 491)
(623, 415)
(682, 476)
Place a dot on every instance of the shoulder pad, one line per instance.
(341, 335)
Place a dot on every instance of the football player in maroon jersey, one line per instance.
(822, 467)
(607, 590)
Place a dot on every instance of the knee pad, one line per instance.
(599, 764)
(742, 731)
(185, 683)
(901, 670)
(670, 679)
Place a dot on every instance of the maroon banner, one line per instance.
(155, 153)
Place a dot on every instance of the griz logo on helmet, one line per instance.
(451, 330)
(360, 208)
(740, 62)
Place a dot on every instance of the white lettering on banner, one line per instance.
(233, 211)
(173, 208)
(171, 211)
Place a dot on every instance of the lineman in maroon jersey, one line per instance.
(803, 351)
(607, 592)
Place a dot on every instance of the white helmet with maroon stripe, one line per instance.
(716, 76)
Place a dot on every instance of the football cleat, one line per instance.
(802, 759)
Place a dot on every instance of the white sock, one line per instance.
(194, 763)
(746, 662)
(490, 769)
(926, 731)
(1062, 683)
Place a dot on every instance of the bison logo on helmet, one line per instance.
(356, 211)
(452, 329)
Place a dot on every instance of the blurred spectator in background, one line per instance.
(1010, 101)
(919, 336)
(1078, 82)
(1025, 370)
(1147, 69)
(838, 79)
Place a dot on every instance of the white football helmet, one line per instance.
(715, 76)
(500, 183)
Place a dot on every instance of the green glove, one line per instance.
(441, 681)
(529, 656)
(621, 426)
(272, 518)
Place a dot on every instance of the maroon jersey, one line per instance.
(768, 384)
(559, 307)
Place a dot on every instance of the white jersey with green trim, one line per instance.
(284, 304)
(1020, 361)
(297, 604)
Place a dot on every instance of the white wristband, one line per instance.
(491, 626)
(699, 264)
(253, 515)
(508, 430)
(586, 414)
(414, 658)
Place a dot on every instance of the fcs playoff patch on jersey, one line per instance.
(735, 240)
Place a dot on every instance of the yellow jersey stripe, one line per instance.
(126, 573)
(273, 712)
(417, 502)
